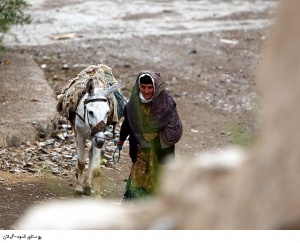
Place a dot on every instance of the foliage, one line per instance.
(11, 13)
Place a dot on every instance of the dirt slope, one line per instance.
(211, 76)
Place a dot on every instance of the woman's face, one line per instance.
(147, 90)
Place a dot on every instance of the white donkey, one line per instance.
(89, 121)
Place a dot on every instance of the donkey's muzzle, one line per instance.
(99, 142)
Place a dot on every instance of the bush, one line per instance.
(11, 13)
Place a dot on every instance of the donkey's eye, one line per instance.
(91, 113)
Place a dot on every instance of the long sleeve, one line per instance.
(125, 127)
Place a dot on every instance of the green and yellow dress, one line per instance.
(144, 174)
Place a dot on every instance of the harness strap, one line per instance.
(101, 125)
(82, 119)
(86, 101)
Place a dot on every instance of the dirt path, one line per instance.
(211, 75)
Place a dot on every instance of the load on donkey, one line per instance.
(71, 94)
(91, 102)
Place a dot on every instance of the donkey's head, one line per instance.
(97, 108)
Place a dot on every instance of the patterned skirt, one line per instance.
(143, 179)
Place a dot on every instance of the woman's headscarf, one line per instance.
(162, 108)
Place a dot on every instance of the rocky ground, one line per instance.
(211, 75)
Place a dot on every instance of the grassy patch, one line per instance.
(240, 135)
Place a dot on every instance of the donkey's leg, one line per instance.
(96, 172)
(80, 164)
(93, 179)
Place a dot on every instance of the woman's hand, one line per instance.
(120, 143)
(150, 136)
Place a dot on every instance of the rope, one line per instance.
(119, 155)
(119, 148)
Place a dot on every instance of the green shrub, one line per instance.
(11, 13)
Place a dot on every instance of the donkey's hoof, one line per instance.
(78, 193)
(87, 191)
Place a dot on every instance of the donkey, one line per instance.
(88, 122)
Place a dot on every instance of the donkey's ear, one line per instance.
(90, 87)
(111, 89)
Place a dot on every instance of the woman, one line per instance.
(153, 125)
